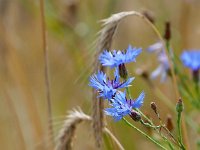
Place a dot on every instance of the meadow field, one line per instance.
(50, 50)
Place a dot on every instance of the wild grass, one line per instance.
(67, 132)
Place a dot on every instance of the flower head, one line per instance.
(115, 58)
(106, 87)
(121, 106)
(163, 67)
(191, 59)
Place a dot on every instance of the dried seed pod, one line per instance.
(167, 35)
(135, 116)
(122, 71)
(154, 107)
(169, 123)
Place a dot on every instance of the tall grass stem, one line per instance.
(144, 134)
(46, 69)
(180, 138)
(107, 131)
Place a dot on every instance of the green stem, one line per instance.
(143, 115)
(198, 92)
(46, 70)
(165, 138)
(171, 146)
(107, 131)
(144, 134)
(197, 88)
(128, 92)
(149, 125)
(179, 131)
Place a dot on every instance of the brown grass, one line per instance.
(65, 137)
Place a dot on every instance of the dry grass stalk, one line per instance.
(66, 134)
(104, 42)
(16, 121)
(46, 70)
(107, 131)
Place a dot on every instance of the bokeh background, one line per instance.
(72, 27)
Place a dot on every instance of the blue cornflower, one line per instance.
(121, 106)
(106, 87)
(191, 59)
(163, 67)
(115, 58)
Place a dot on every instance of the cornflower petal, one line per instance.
(132, 53)
(94, 83)
(107, 92)
(156, 47)
(191, 59)
(113, 112)
(139, 101)
(107, 59)
(163, 67)
(115, 58)
(126, 83)
(159, 70)
(116, 74)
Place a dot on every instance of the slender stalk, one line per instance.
(198, 92)
(179, 131)
(106, 130)
(16, 121)
(165, 138)
(144, 134)
(151, 124)
(171, 62)
(46, 68)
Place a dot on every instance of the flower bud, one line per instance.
(167, 35)
(154, 107)
(169, 123)
(122, 71)
(179, 106)
(135, 116)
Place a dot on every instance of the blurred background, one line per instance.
(72, 27)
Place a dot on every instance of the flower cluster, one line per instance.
(109, 89)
